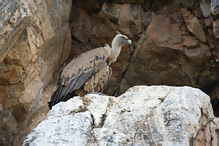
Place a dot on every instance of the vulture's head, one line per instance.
(121, 40)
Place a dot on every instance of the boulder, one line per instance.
(142, 115)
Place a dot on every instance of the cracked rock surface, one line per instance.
(143, 114)
(35, 41)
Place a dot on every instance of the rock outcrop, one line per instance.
(35, 41)
(173, 44)
(142, 115)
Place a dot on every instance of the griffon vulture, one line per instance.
(89, 72)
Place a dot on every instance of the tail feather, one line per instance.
(55, 98)
(58, 97)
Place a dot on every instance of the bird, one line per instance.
(89, 72)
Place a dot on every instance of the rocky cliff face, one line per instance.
(36, 40)
(173, 44)
(144, 115)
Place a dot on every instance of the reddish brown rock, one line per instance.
(125, 15)
(195, 27)
(198, 12)
(10, 74)
(189, 41)
(2, 95)
(90, 6)
(80, 24)
(207, 136)
(208, 21)
(211, 42)
(159, 29)
(176, 33)
(206, 49)
(186, 14)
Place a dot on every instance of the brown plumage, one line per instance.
(88, 72)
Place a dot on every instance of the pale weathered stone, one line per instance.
(214, 7)
(195, 27)
(12, 29)
(206, 9)
(70, 129)
(97, 105)
(35, 41)
(67, 108)
(143, 115)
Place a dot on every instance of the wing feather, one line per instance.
(77, 72)
(99, 79)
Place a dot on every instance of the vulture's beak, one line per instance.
(129, 41)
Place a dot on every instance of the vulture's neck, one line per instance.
(116, 49)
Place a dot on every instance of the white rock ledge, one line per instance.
(143, 115)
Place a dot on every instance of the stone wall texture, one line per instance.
(174, 42)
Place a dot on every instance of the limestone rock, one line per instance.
(144, 114)
(206, 9)
(214, 7)
(35, 41)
